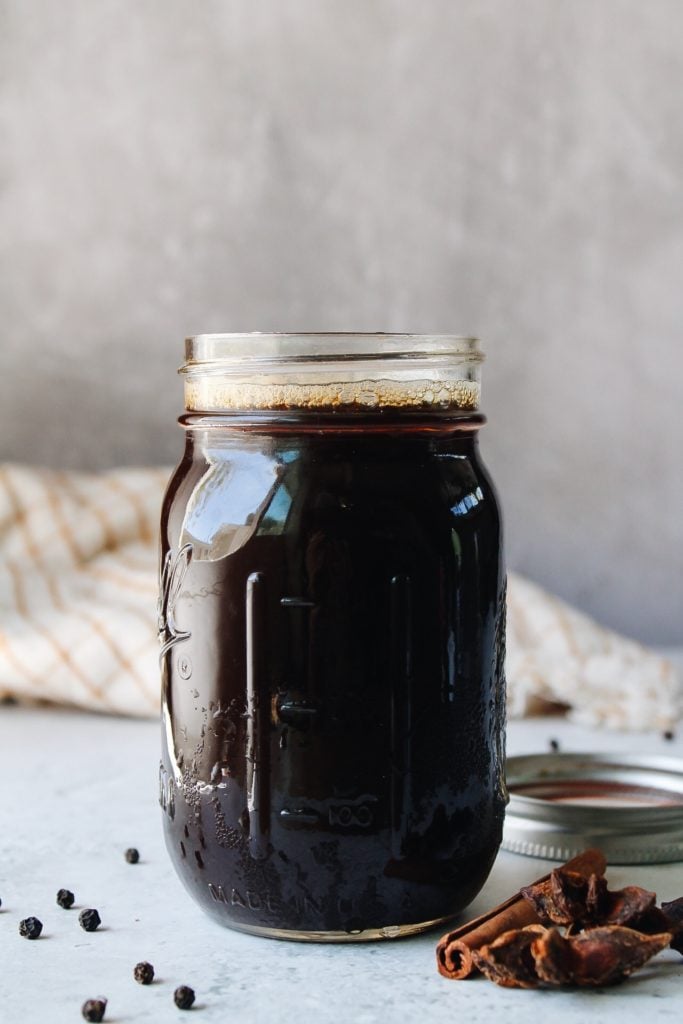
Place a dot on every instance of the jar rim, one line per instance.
(321, 346)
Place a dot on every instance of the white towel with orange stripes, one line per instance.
(78, 623)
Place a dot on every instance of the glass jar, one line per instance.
(332, 626)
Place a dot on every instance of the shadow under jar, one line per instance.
(331, 617)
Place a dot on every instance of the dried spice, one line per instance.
(65, 898)
(532, 956)
(569, 899)
(595, 897)
(508, 960)
(628, 906)
(30, 928)
(539, 895)
(552, 956)
(132, 855)
(183, 997)
(673, 915)
(565, 929)
(143, 973)
(454, 952)
(597, 956)
(89, 919)
(93, 1010)
(562, 899)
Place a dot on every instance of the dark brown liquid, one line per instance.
(333, 747)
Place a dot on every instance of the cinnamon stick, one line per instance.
(454, 951)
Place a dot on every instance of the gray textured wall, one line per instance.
(510, 168)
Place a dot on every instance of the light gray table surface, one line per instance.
(78, 788)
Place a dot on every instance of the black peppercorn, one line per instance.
(554, 745)
(143, 973)
(669, 734)
(89, 920)
(183, 997)
(30, 927)
(132, 855)
(65, 898)
(93, 1010)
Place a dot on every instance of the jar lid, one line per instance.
(630, 807)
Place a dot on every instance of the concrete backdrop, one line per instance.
(510, 168)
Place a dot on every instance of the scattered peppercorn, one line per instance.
(132, 855)
(183, 997)
(89, 920)
(554, 745)
(65, 898)
(669, 734)
(143, 973)
(93, 1010)
(30, 927)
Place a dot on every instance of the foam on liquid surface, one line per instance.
(206, 395)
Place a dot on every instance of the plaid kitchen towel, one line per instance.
(78, 572)
(78, 623)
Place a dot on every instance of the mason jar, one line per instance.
(332, 622)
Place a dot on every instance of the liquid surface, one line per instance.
(332, 616)
(207, 394)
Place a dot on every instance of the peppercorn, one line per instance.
(669, 734)
(183, 997)
(93, 1010)
(65, 898)
(554, 745)
(89, 920)
(30, 927)
(143, 973)
(132, 855)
